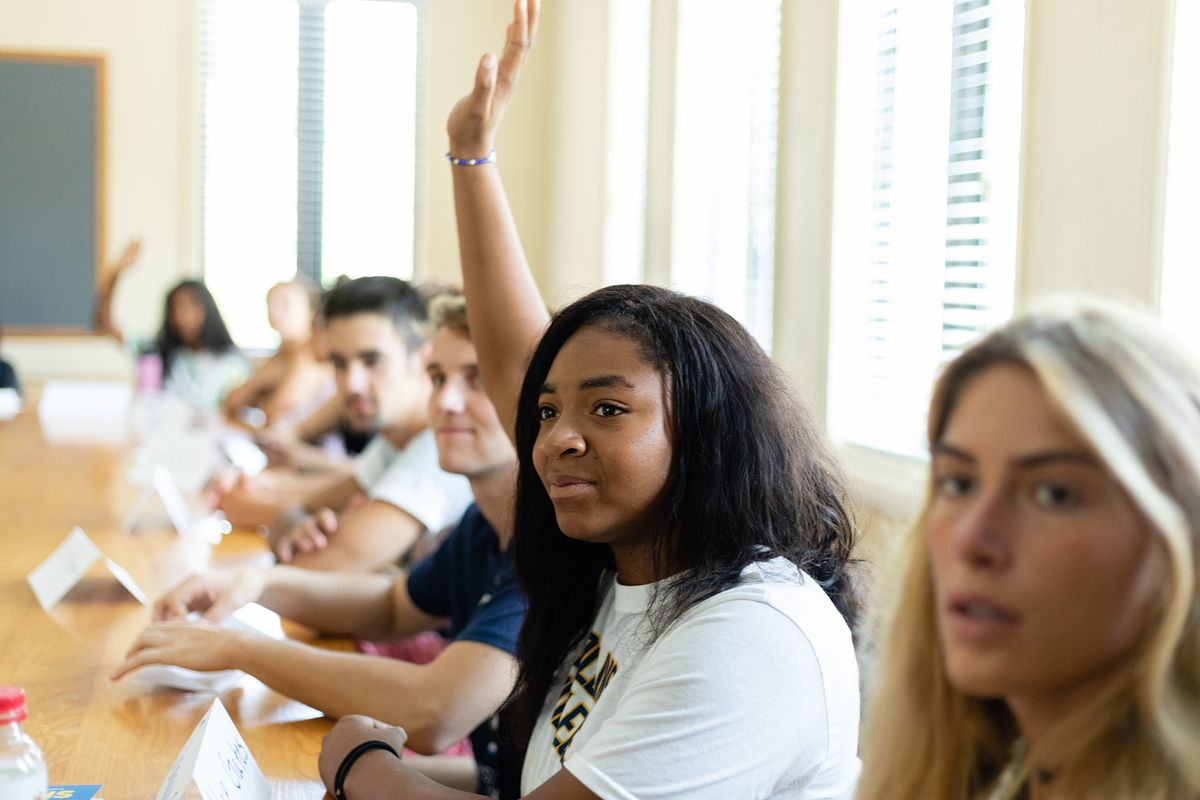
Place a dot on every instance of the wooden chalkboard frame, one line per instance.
(98, 64)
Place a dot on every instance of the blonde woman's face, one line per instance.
(1044, 573)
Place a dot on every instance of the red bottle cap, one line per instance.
(12, 705)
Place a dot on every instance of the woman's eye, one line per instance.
(608, 410)
(953, 485)
(1054, 495)
(437, 380)
(546, 412)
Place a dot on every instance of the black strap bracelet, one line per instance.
(344, 768)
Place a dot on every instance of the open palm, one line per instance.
(474, 119)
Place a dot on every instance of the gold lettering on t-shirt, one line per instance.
(571, 710)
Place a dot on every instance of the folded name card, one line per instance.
(58, 574)
(215, 763)
(210, 528)
(243, 453)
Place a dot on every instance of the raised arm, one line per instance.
(107, 285)
(505, 309)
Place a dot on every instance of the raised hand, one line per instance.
(128, 256)
(474, 119)
(102, 313)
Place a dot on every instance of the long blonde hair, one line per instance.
(1134, 396)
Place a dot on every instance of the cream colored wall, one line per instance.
(459, 33)
(148, 44)
(1095, 136)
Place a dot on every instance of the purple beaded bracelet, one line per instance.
(490, 158)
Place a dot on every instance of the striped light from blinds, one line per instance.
(726, 120)
(304, 169)
(926, 173)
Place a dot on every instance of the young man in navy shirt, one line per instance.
(467, 587)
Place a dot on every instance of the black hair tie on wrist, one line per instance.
(344, 768)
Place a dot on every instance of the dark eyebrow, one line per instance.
(605, 382)
(1076, 456)
(365, 354)
(1024, 462)
(943, 449)
(599, 382)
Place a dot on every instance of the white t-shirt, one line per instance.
(752, 693)
(203, 378)
(411, 480)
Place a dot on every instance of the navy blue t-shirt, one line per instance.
(470, 581)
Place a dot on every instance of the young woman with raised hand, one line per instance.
(679, 531)
(1046, 642)
(199, 361)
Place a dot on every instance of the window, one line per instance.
(926, 178)
(304, 168)
(627, 141)
(1181, 253)
(723, 194)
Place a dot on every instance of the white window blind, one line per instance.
(308, 141)
(249, 54)
(627, 141)
(370, 138)
(1181, 248)
(926, 177)
(726, 119)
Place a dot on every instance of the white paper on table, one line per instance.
(158, 414)
(85, 411)
(251, 617)
(216, 762)
(10, 403)
(172, 500)
(125, 579)
(170, 676)
(191, 456)
(70, 561)
(243, 453)
(209, 528)
(94, 400)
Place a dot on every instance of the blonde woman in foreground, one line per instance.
(1046, 642)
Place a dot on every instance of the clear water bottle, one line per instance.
(22, 767)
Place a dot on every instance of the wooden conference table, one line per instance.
(124, 735)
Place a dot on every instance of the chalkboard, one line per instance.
(51, 190)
